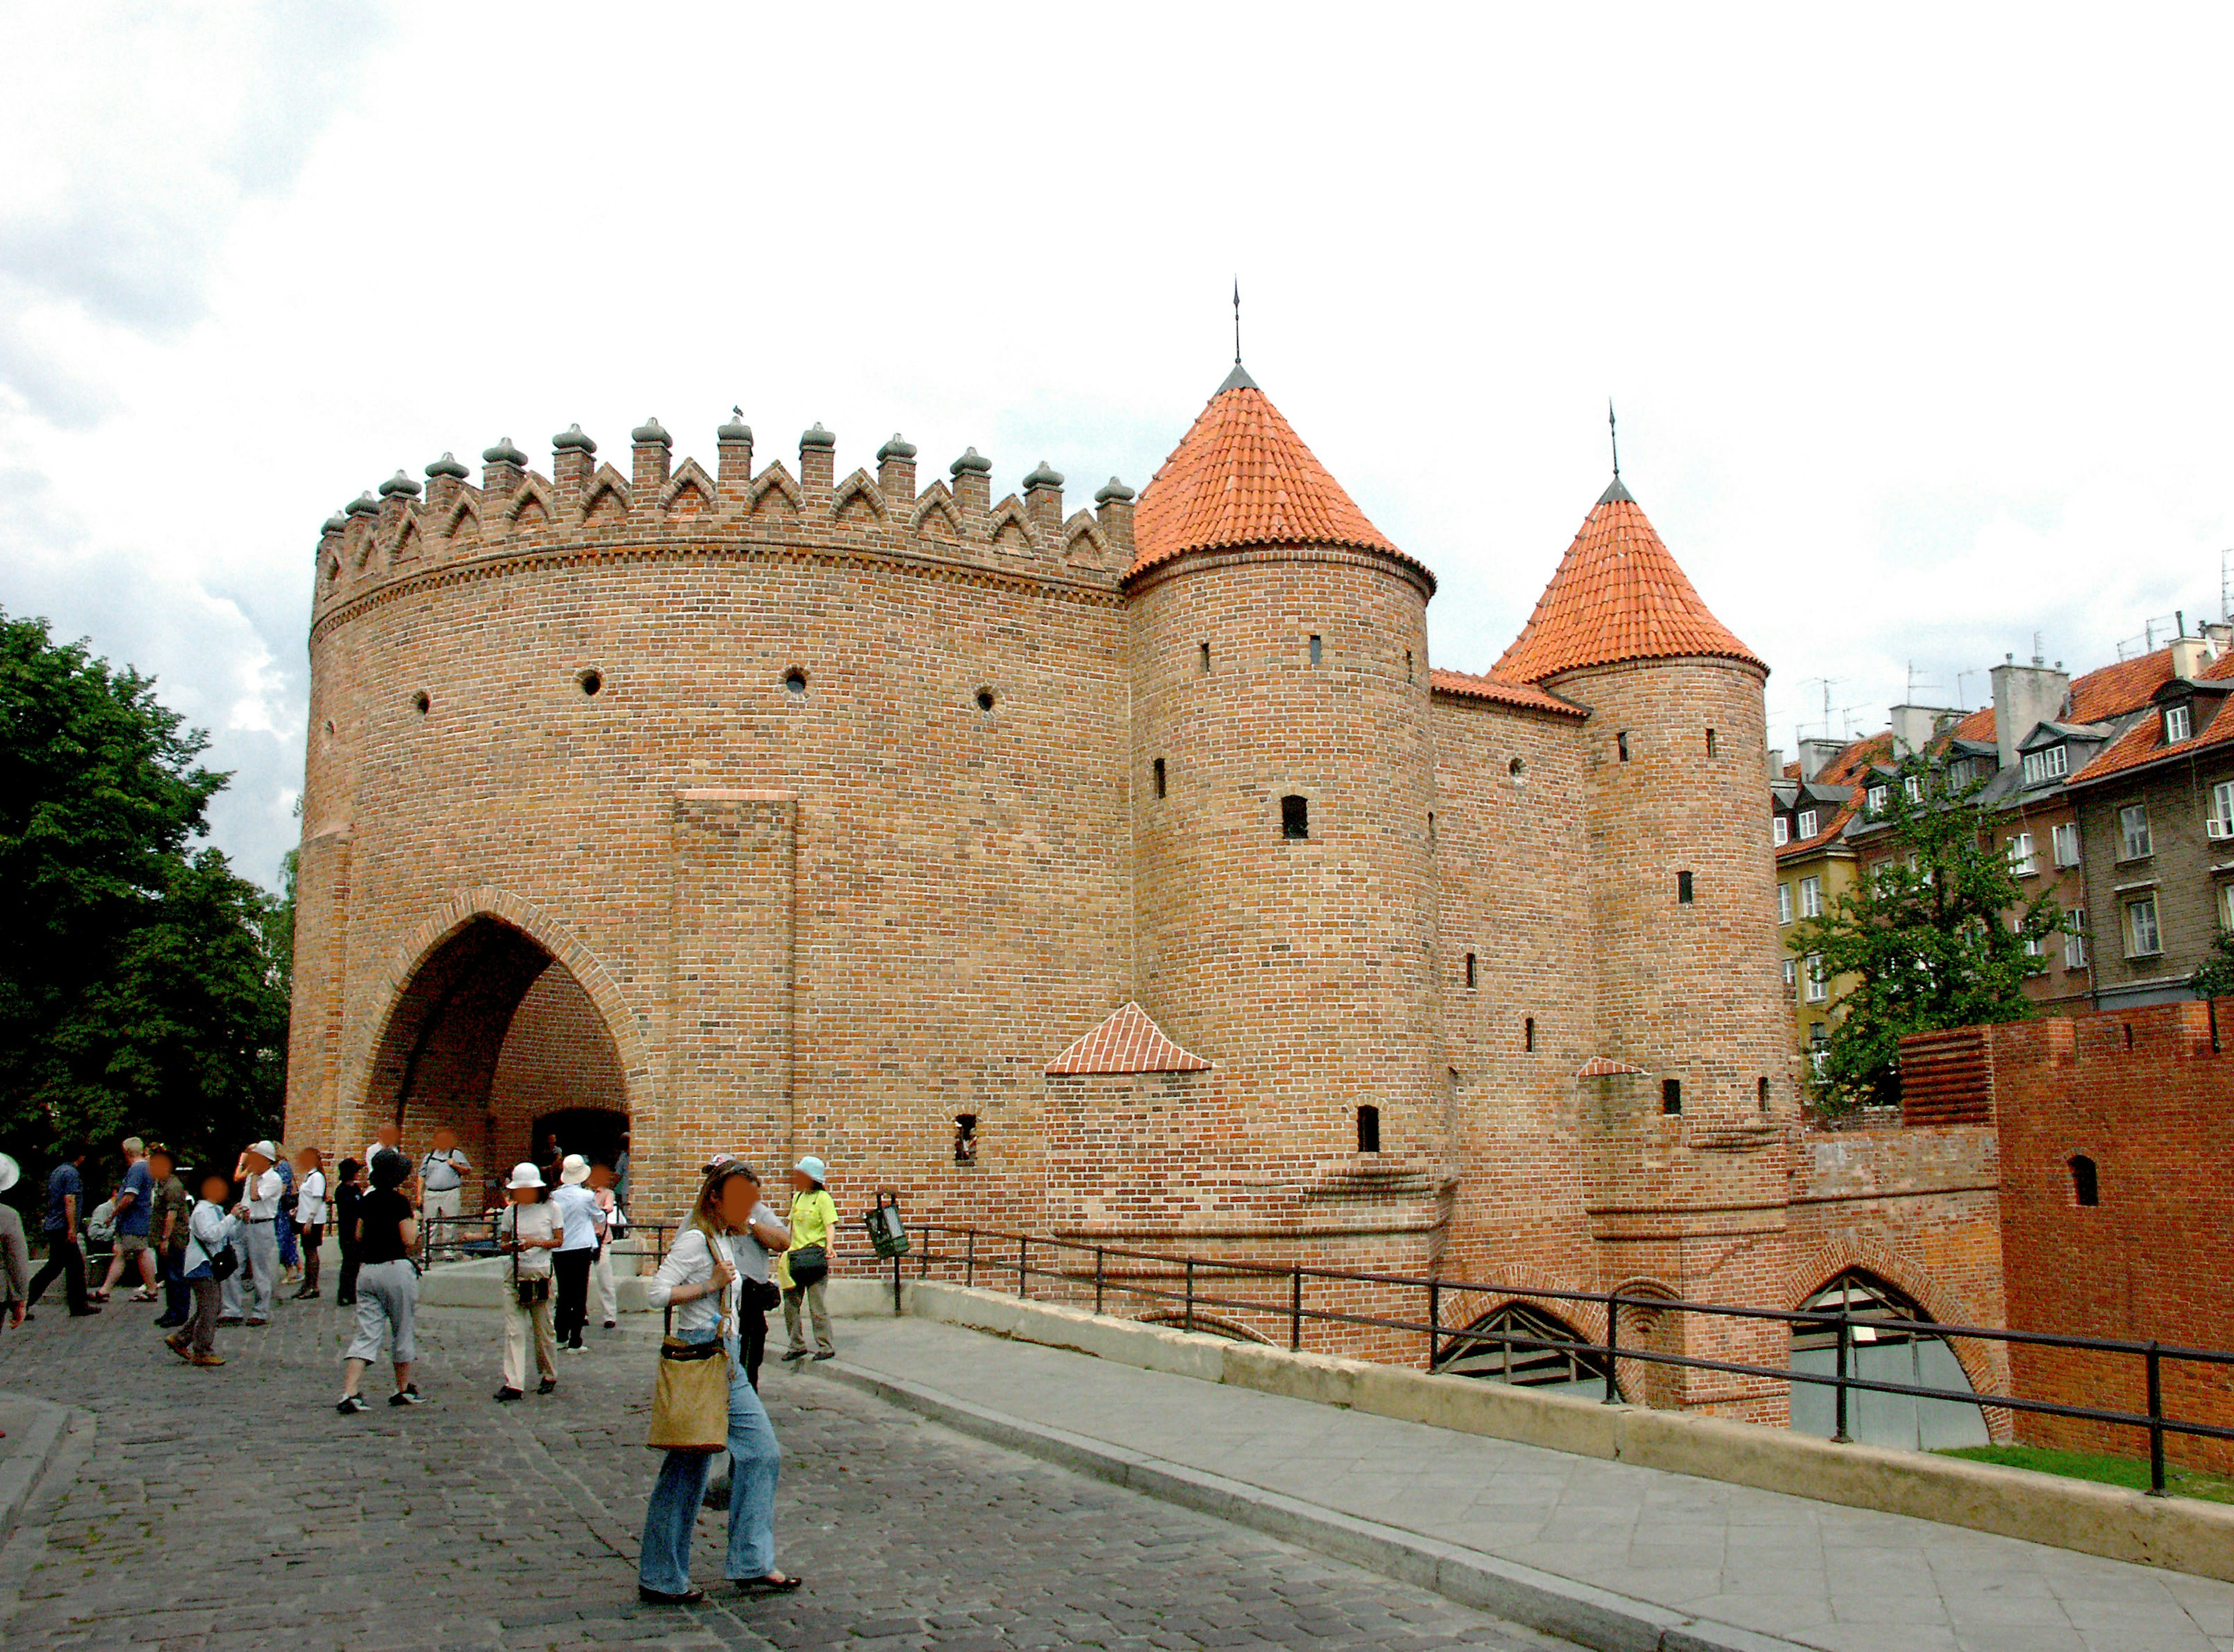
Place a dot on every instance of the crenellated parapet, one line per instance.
(586, 507)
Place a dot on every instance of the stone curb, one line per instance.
(21, 1474)
(1578, 1612)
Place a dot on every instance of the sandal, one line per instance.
(144, 1297)
(770, 1585)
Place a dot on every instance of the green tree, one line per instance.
(139, 989)
(2215, 977)
(1937, 937)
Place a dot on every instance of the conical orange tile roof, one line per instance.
(1617, 596)
(1242, 476)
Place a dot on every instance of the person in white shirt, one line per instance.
(255, 1243)
(578, 1248)
(602, 1280)
(309, 1216)
(389, 1138)
(528, 1231)
(442, 1179)
(697, 1284)
(209, 1234)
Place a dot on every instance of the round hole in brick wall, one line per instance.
(984, 698)
(1516, 769)
(420, 702)
(590, 680)
(795, 680)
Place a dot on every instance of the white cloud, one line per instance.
(1914, 330)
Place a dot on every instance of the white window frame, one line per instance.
(2226, 906)
(1818, 990)
(1808, 822)
(2035, 945)
(1810, 897)
(2178, 723)
(2141, 912)
(2219, 823)
(1912, 788)
(1779, 831)
(1792, 975)
(2135, 841)
(2021, 858)
(1784, 902)
(2074, 938)
(2049, 763)
(1874, 798)
(2065, 841)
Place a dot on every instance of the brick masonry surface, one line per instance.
(232, 1508)
(784, 813)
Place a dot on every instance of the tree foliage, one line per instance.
(1935, 938)
(2214, 978)
(143, 984)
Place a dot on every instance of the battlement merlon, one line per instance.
(410, 531)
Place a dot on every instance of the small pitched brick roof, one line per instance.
(1524, 695)
(1127, 1042)
(1242, 476)
(1618, 595)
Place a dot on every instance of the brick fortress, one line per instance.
(1128, 874)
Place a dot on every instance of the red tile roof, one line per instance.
(1126, 1042)
(2143, 743)
(1618, 595)
(1840, 816)
(1850, 765)
(1242, 476)
(1468, 685)
(2096, 696)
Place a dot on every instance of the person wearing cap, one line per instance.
(261, 1189)
(166, 1236)
(65, 1205)
(209, 1234)
(15, 1254)
(584, 1223)
(443, 1184)
(529, 1230)
(387, 1284)
(813, 1222)
(135, 1207)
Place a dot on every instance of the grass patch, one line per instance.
(2132, 1473)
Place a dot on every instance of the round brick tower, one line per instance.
(1693, 1037)
(1284, 774)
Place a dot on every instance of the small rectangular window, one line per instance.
(1317, 648)
(2021, 860)
(2133, 840)
(1791, 976)
(2074, 939)
(2178, 723)
(1808, 822)
(1469, 969)
(2220, 821)
(1408, 665)
(1671, 1095)
(1159, 777)
(1818, 988)
(1621, 745)
(2065, 840)
(1710, 742)
(2042, 766)
(2226, 905)
(2142, 940)
(1779, 831)
(1205, 659)
(1295, 817)
(1764, 1095)
(1431, 825)
(1912, 788)
(965, 1138)
(1784, 902)
(1369, 1129)
(1874, 800)
(1528, 1035)
(1684, 887)
(1810, 897)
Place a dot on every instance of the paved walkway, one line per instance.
(1848, 1580)
(233, 1509)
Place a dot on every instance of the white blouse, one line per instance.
(690, 1262)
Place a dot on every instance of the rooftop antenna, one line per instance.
(1613, 435)
(1962, 698)
(1237, 321)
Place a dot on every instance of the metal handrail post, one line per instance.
(1097, 1278)
(1296, 1309)
(896, 1285)
(1839, 1434)
(969, 1259)
(1434, 1320)
(1023, 1265)
(1190, 1293)
(1613, 1351)
(2156, 1422)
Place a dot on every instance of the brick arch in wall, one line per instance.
(482, 951)
(1462, 1308)
(1816, 1263)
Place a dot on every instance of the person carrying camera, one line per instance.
(528, 1231)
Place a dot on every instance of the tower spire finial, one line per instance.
(1237, 321)
(1613, 435)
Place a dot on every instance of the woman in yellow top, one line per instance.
(806, 1264)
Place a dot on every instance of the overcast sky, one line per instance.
(1917, 320)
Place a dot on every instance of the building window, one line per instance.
(1671, 1095)
(2035, 945)
(1710, 742)
(1818, 989)
(1874, 800)
(1205, 659)
(2021, 862)
(2065, 841)
(1806, 823)
(965, 1138)
(1159, 777)
(2178, 723)
(1912, 788)
(1784, 902)
(1818, 1048)
(2220, 823)
(1369, 1129)
(2086, 1182)
(1469, 969)
(1810, 897)
(2042, 766)
(1764, 1095)
(1317, 648)
(2226, 906)
(1779, 831)
(1528, 1035)
(2141, 939)
(1790, 976)
(2074, 939)
(1295, 817)
(1621, 745)
(2134, 841)
(1683, 888)
(1408, 665)
(1431, 825)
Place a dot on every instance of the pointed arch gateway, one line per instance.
(500, 1026)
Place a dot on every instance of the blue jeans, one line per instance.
(178, 1295)
(755, 1461)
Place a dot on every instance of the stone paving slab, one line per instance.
(233, 1509)
(1820, 1574)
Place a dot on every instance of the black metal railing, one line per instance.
(1198, 1286)
(473, 1236)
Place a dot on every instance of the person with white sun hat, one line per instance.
(15, 1253)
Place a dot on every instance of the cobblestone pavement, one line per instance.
(234, 1508)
